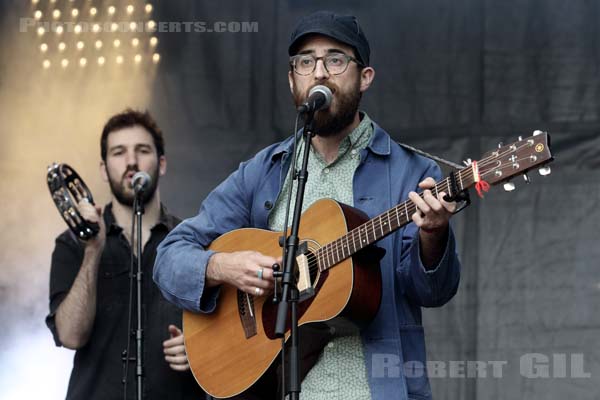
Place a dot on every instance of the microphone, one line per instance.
(140, 182)
(319, 98)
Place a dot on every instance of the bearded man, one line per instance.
(354, 161)
(90, 287)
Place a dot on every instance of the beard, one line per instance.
(339, 115)
(123, 191)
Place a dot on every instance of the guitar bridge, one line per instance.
(305, 287)
(246, 313)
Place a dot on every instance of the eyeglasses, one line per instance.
(335, 63)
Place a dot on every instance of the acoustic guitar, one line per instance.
(230, 349)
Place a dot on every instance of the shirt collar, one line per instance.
(379, 144)
(165, 220)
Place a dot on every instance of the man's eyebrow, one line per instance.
(116, 147)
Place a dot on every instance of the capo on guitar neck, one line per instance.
(459, 196)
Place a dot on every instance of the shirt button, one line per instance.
(353, 151)
(326, 170)
(268, 205)
(330, 344)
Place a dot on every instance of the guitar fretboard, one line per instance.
(383, 224)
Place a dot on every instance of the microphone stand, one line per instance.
(290, 294)
(139, 370)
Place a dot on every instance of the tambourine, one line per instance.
(67, 189)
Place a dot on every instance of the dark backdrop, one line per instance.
(453, 78)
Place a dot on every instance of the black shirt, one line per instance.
(98, 366)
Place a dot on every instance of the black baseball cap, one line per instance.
(343, 28)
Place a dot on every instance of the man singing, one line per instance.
(354, 161)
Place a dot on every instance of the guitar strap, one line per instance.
(441, 160)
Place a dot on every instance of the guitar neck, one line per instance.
(384, 224)
(495, 167)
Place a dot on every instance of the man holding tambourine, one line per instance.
(92, 299)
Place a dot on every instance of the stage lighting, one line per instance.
(46, 64)
(117, 43)
(59, 30)
(43, 47)
(93, 11)
(64, 63)
(35, 1)
(56, 14)
(114, 26)
(37, 14)
(135, 42)
(77, 29)
(130, 9)
(151, 25)
(62, 46)
(119, 59)
(96, 28)
(98, 44)
(74, 13)
(82, 62)
(133, 25)
(153, 41)
(80, 45)
(41, 31)
(148, 8)
(52, 1)
(155, 58)
(137, 58)
(111, 10)
(101, 60)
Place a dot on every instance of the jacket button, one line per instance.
(268, 205)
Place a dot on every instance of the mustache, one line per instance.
(132, 168)
(333, 87)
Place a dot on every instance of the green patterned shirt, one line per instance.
(340, 371)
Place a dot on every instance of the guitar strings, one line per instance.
(330, 250)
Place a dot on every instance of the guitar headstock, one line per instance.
(515, 159)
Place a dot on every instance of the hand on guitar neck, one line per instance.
(249, 271)
(432, 217)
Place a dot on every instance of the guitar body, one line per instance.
(228, 353)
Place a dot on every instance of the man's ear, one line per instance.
(291, 81)
(162, 165)
(366, 78)
(103, 172)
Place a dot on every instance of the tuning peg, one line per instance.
(467, 162)
(526, 178)
(520, 138)
(509, 186)
(500, 144)
(544, 171)
(537, 132)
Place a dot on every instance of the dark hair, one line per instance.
(129, 118)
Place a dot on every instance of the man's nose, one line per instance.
(131, 158)
(320, 70)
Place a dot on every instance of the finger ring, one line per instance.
(257, 291)
(259, 273)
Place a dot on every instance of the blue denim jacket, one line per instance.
(394, 342)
